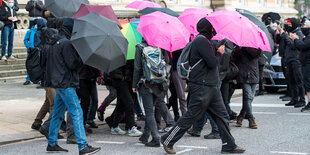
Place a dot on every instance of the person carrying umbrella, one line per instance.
(64, 78)
(205, 93)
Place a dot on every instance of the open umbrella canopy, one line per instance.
(238, 29)
(133, 36)
(64, 8)
(140, 5)
(103, 10)
(273, 15)
(191, 16)
(168, 11)
(163, 31)
(252, 17)
(99, 42)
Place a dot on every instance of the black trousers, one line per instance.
(124, 104)
(202, 99)
(225, 87)
(286, 75)
(261, 79)
(87, 91)
(173, 100)
(296, 82)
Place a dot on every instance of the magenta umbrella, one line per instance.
(103, 10)
(191, 16)
(238, 29)
(140, 5)
(163, 31)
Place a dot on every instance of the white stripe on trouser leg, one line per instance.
(172, 134)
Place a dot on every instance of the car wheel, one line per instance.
(271, 89)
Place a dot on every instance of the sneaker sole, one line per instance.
(93, 152)
(134, 135)
(118, 134)
(55, 151)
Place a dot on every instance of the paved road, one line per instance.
(282, 130)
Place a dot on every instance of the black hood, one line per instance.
(204, 27)
(40, 23)
(295, 23)
(50, 35)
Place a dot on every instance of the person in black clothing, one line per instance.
(87, 92)
(35, 9)
(204, 92)
(41, 23)
(8, 17)
(293, 62)
(304, 46)
(261, 66)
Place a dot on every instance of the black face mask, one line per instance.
(305, 31)
(288, 28)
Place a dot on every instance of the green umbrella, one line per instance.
(133, 36)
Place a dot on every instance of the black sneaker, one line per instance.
(286, 98)
(193, 133)
(71, 140)
(89, 150)
(283, 96)
(27, 83)
(92, 124)
(45, 133)
(212, 136)
(306, 108)
(141, 117)
(100, 115)
(35, 127)
(299, 104)
(153, 143)
(290, 104)
(55, 148)
(144, 139)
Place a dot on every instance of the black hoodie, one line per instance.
(206, 72)
(304, 46)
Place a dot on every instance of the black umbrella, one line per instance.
(274, 16)
(64, 8)
(252, 17)
(168, 11)
(99, 42)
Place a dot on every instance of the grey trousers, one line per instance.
(248, 94)
(180, 90)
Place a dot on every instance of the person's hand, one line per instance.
(294, 36)
(99, 80)
(5, 2)
(12, 18)
(134, 90)
(221, 49)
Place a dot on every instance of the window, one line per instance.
(261, 2)
(278, 2)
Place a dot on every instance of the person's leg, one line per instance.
(11, 41)
(71, 101)
(84, 95)
(58, 116)
(180, 90)
(173, 101)
(214, 126)
(225, 95)
(293, 83)
(148, 104)
(69, 127)
(4, 39)
(219, 113)
(249, 93)
(161, 106)
(300, 85)
(43, 110)
(94, 101)
(50, 96)
(111, 97)
(261, 79)
(199, 98)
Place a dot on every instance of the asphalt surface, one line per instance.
(281, 130)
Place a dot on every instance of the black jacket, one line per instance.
(247, 61)
(279, 40)
(124, 73)
(35, 9)
(291, 52)
(88, 73)
(5, 13)
(62, 64)
(304, 46)
(206, 72)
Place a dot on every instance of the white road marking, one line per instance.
(110, 142)
(192, 147)
(299, 114)
(260, 105)
(291, 153)
(139, 144)
(186, 150)
(265, 113)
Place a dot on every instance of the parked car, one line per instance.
(273, 75)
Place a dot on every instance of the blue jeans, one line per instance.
(67, 99)
(7, 35)
(248, 94)
(198, 126)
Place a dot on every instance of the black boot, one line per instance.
(153, 143)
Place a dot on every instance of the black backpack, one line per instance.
(33, 64)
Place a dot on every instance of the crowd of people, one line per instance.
(71, 85)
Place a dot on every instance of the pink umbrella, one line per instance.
(140, 5)
(238, 29)
(103, 10)
(163, 31)
(191, 16)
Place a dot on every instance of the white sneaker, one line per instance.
(117, 131)
(134, 132)
(3, 58)
(12, 57)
